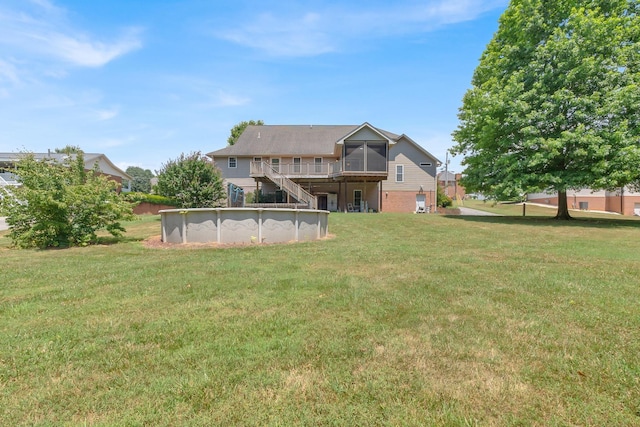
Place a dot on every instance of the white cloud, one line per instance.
(283, 33)
(41, 31)
(82, 51)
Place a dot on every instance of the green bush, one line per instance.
(154, 199)
(60, 204)
(443, 200)
(193, 181)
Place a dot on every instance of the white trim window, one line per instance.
(275, 164)
(317, 161)
(297, 165)
(399, 173)
(233, 162)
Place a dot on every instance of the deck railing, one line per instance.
(312, 170)
(308, 169)
(284, 183)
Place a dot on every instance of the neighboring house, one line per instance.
(105, 166)
(450, 184)
(336, 168)
(623, 201)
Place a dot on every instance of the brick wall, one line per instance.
(145, 208)
(402, 201)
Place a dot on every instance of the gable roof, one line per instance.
(419, 147)
(390, 137)
(300, 140)
(90, 159)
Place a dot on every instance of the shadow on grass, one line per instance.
(549, 221)
(113, 240)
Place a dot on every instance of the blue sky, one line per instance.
(143, 81)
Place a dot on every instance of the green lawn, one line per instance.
(396, 320)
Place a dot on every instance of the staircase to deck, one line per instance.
(293, 189)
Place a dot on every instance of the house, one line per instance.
(332, 167)
(625, 201)
(8, 163)
(450, 184)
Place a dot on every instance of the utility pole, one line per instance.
(446, 174)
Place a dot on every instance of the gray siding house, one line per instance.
(8, 162)
(333, 167)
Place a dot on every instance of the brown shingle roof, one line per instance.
(301, 140)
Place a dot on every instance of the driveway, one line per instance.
(475, 212)
(3, 224)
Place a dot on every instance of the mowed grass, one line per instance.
(396, 320)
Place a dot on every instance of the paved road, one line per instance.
(3, 224)
(475, 212)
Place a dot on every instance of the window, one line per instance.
(233, 162)
(399, 173)
(317, 164)
(425, 164)
(275, 164)
(257, 159)
(297, 161)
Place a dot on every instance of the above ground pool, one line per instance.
(243, 225)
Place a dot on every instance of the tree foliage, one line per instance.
(69, 149)
(141, 181)
(443, 199)
(192, 180)
(555, 101)
(237, 130)
(60, 204)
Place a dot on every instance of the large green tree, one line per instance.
(237, 130)
(192, 180)
(141, 181)
(61, 204)
(555, 101)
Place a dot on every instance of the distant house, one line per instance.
(332, 167)
(8, 163)
(450, 184)
(624, 201)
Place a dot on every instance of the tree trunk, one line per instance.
(563, 210)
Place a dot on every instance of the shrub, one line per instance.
(443, 200)
(154, 199)
(192, 180)
(60, 204)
